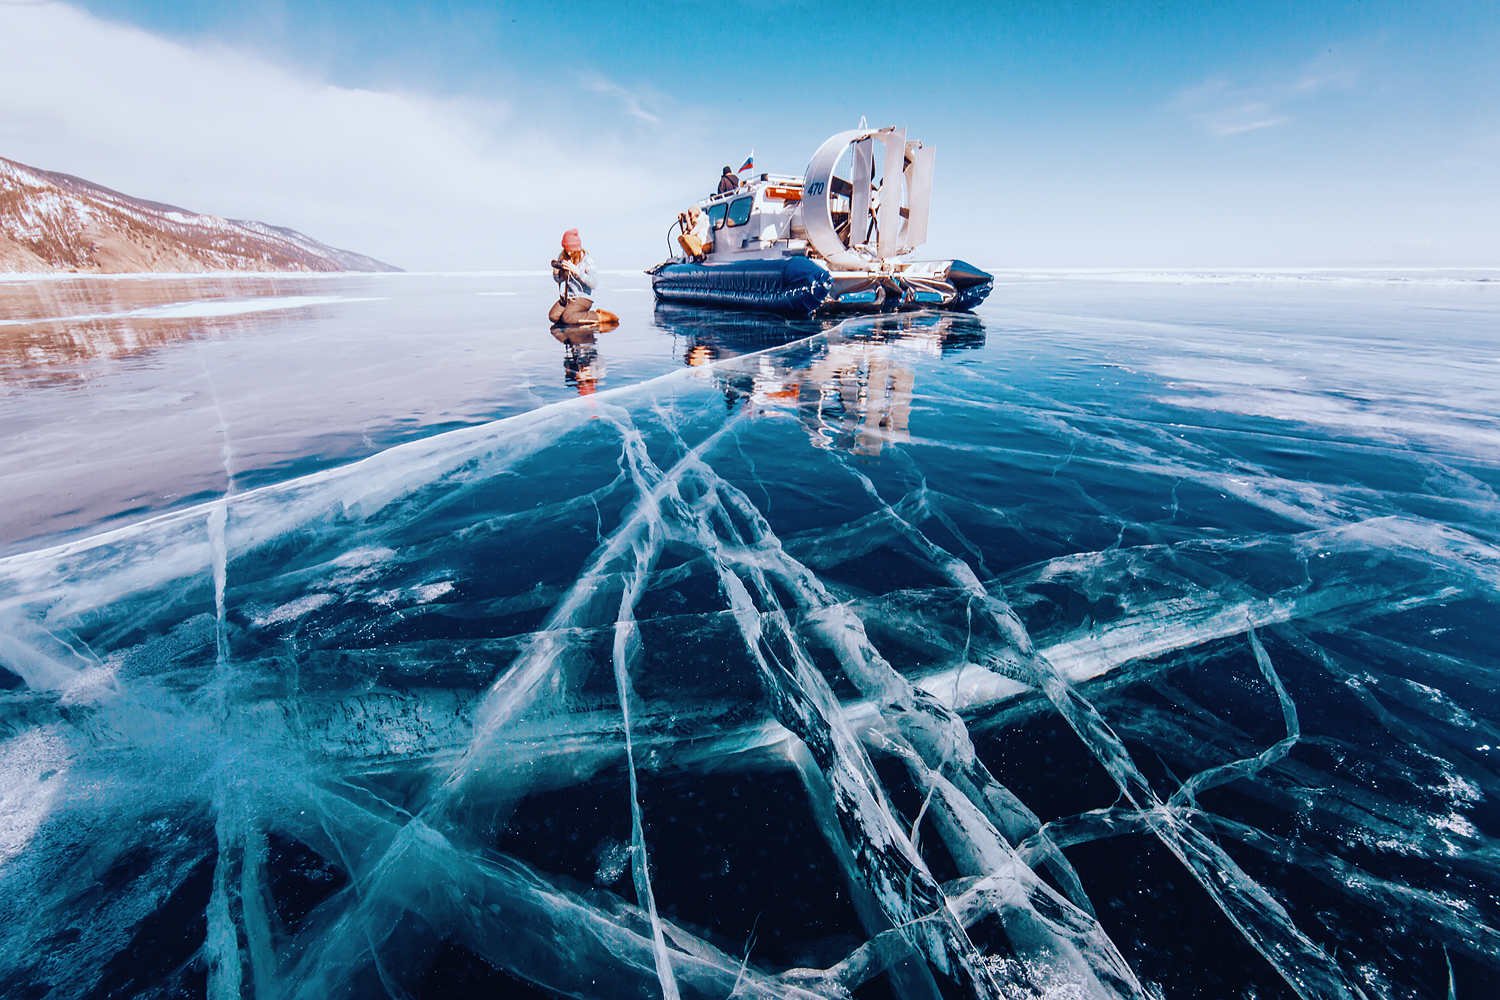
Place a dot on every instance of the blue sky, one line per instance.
(1081, 135)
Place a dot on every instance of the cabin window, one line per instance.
(739, 211)
(716, 214)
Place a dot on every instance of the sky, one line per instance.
(468, 136)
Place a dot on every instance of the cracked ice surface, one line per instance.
(841, 668)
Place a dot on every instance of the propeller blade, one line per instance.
(919, 166)
(859, 211)
(889, 219)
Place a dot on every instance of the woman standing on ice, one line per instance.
(577, 277)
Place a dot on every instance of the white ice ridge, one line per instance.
(390, 663)
(1234, 275)
(204, 308)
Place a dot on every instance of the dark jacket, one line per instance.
(728, 182)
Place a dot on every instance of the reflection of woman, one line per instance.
(583, 368)
(574, 270)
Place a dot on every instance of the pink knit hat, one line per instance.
(571, 241)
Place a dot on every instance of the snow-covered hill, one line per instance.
(54, 222)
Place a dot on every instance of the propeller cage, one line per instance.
(879, 210)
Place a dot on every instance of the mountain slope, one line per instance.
(55, 222)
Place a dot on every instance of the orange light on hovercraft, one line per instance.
(784, 193)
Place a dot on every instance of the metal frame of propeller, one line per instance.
(899, 228)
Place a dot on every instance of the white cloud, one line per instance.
(419, 181)
(1329, 71)
(1223, 108)
(630, 101)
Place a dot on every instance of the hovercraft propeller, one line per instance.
(859, 212)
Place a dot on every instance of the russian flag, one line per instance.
(749, 163)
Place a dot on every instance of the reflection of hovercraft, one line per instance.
(929, 333)
(715, 334)
(836, 239)
(712, 334)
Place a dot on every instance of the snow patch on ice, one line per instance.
(292, 610)
(33, 769)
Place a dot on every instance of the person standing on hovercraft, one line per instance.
(576, 276)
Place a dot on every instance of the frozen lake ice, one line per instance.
(1132, 637)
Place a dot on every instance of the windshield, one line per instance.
(739, 211)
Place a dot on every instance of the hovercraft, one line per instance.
(838, 238)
